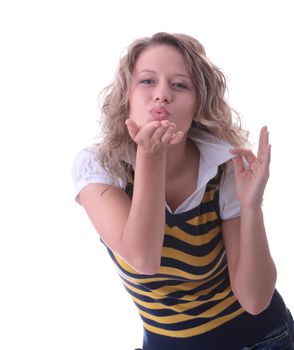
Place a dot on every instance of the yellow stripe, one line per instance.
(145, 280)
(184, 333)
(148, 280)
(186, 286)
(203, 219)
(212, 312)
(150, 294)
(177, 272)
(208, 196)
(126, 266)
(180, 307)
(217, 296)
(191, 259)
(173, 253)
(189, 238)
(158, 294)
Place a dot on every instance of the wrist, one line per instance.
(151, 154)
(253, 208)
(253, 203)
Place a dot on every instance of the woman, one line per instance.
(176, 198)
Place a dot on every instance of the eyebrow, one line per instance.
(174, 75)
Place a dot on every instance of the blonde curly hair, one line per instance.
(213, 113)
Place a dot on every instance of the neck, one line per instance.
(178, 157)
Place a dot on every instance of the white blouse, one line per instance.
(213, 152)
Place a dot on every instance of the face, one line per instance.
(161, 88)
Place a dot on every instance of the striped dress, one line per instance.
(189, 303)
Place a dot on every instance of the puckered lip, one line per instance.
(159, 113)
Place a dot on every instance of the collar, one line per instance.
(213, 152)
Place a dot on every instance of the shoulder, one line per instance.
(87, 169)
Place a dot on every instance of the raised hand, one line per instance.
(251, 180)
(154, 137)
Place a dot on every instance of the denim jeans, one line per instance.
(282, 338)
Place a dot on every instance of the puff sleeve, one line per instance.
(228, 199)
(86, 169)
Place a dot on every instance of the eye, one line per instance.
(147, 81)
(179, 85)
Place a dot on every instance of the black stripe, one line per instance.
(199, 230)
(202, 250)
(195, 322)
(165, 301)
(194, 270)
(218, 289)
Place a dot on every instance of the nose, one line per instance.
(162, 93)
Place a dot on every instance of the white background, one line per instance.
(59, 289)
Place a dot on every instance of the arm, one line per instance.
(135, 229)
(251, 267)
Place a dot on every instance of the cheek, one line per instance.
(188, 109)
(132, 103)
(192, 107)
(138, 109)
(137, 101)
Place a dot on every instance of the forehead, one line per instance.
(161, 57)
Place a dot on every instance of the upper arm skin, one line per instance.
(231, 236)
(108, 209)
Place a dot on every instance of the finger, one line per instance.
(149, 129)
(263, 142)
(169, 134)
(167, 123)
(132, 126)
(267, 156)
(159, 132)
(176, 138)
(238, 165)
(163, 128)
(243, 152)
